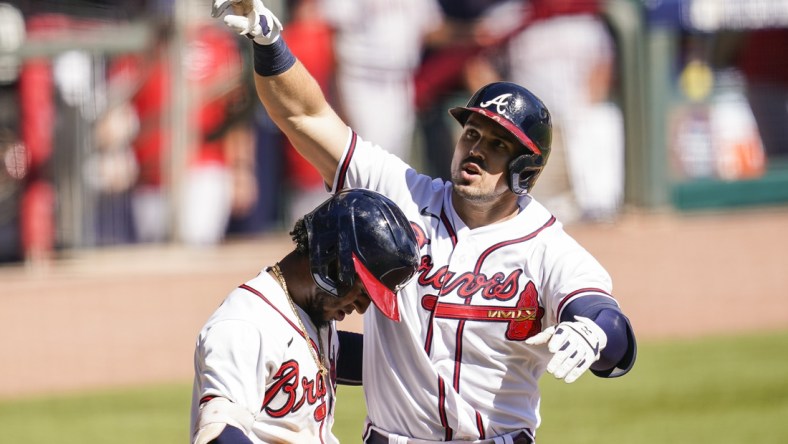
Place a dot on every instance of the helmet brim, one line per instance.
(461, 114)
(383, 297)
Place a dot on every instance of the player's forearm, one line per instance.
(296, 104)
(288, 92)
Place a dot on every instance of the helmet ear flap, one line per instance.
(523, 172)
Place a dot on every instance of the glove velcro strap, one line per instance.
(273, 59)
(586, 333)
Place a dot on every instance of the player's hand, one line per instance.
(575, 346)
(250, 18)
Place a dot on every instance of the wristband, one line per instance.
(273, 59)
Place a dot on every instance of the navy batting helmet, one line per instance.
(521, 113)
(361, 233)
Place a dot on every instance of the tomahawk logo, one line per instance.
(500, 102)
(524, 320)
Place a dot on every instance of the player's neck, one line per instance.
(294, 268)
(477, 214)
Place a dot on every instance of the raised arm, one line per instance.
(288, 91)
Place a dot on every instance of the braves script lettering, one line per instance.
(498, 286)
(286, 383)
(524, 319)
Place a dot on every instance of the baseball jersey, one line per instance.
(252, 352)
(457, 366)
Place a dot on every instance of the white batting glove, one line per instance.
(250, 18)
(575, 346)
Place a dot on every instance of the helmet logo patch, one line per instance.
(500, 102)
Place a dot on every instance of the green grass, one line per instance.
(155, 414)
(716, 390)
(721, 390)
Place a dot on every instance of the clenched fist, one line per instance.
(250, 18)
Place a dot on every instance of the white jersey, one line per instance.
(457, 366)
(252, 352)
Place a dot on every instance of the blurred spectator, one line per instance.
(566, 56)
(378, 45)
(151, 103)
(13, 168)
(212, 59)
(37, 123)
(111, 169)
(762, 59)
(13, 153)
(254, 207)
(453, 67)
(12, 35)
(206, 202)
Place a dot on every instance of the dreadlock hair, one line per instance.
(301, 237)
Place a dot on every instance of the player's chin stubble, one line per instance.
(314, 309)
(474, 193)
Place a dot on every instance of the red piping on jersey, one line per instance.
(295, 327)
(428, 338)
(346, 164)
(492, 248)
(458, 353)
(442, 409)
(449, 228)
(322, 424)
(575, 293)
(453, 237)
(480, 425)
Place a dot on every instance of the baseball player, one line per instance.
(501, 295)
(266, 362)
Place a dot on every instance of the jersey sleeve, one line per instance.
(229, 364)
(366, 165)
(569, 272)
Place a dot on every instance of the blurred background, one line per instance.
(141, 179)
(128, 122)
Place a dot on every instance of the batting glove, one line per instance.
(250, 18)
(575, 346)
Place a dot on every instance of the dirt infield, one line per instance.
(129, 316)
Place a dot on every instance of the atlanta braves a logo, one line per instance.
(500, 102)
(287, 381)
